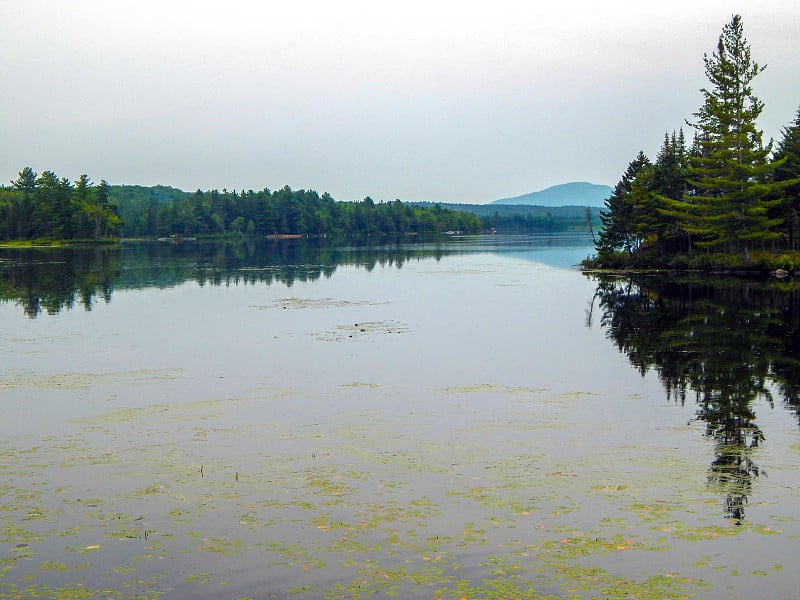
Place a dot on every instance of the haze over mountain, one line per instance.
(576, 193)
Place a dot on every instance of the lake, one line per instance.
(465, 418)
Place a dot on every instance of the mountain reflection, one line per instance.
(723, 341)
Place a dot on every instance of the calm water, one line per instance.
(472, 418)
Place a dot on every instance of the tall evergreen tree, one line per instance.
(731, 172)
(618, 216)
(65, 209)
(83, 200)
(787, 171)
(109, 223)
(670, 176)
(23, 211)
(47, 205)
(669, 182)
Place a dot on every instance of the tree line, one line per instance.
(529, 218)
(48, 207)
(160, 211)
(718, 200)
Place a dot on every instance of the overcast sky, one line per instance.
(446, 101)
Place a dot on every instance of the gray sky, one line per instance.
(447, 101)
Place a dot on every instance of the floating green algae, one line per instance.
(491, 388)
(83, 381)
(362, 331)
(300, 303)
(361, 384)
(353, 502)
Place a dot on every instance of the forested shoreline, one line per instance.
(49, 207)
(725, 201)
(161, 211)
(46, 207)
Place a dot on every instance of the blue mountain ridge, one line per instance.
(576, 193)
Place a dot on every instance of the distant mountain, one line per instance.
(577, 193)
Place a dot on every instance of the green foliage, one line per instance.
(638, 218)
(161, 212)
(528, 218)
(618, 217)
(725, 196)
(787, 173)
(46, 207)
(729, 206)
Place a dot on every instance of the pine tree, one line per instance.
(618, 217)
(670, 183)
(670, 176)
(83, 201)
(732, 170)
(23, 213)
(108, 223)
(47, 201)
(787, 172)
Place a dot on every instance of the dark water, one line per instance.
(466, 418)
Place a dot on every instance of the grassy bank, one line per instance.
(56, 243)
(758, 262)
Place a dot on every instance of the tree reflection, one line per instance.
(54, 279)
(726, 341)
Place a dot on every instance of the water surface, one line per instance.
(468, 418)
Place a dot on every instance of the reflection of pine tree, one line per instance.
(67, 276)
(730, 420)
(730, 366)
(786, 366)
(725, 341)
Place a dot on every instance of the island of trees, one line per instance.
(724, 201)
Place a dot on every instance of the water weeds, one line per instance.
(350, 502)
